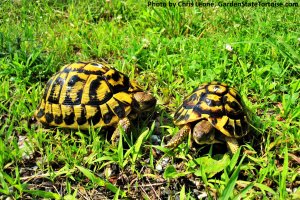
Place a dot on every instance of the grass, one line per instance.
(168, 51)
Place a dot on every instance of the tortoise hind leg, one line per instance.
(179, 136)
(232, 144)
(123, 123)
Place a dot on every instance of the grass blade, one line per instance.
(120, 148)
(234, 160)
(182, 193)
(43, 194)
(244, 191)
(99, 181)
(139, 143)
(264, 188)
(283, 175)
(4, 187)
(228, 191)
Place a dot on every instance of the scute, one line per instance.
(218, 103)
(81, 94)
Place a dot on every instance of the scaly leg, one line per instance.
(123, 123)
(179, 136)
(232, 144)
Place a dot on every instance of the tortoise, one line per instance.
(212, 113)
(87, 93)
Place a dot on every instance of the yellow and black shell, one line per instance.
(218, 103)
(84, 94)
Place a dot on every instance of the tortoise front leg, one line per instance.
(179, 136)
(232, 144)
(123, 123)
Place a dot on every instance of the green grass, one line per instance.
(168, 51)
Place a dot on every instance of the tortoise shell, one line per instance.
(82, 94)
(218, 103)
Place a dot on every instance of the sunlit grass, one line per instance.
(168, 51)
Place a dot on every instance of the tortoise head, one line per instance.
(144, 102)
(204, 133)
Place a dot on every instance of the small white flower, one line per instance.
(236, 25)
(134, 58)
(119, 17)
(228, 47)
(145, 42)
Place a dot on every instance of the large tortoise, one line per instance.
(85, 93)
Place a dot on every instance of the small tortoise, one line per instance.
(213, 113)
(84, 94)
